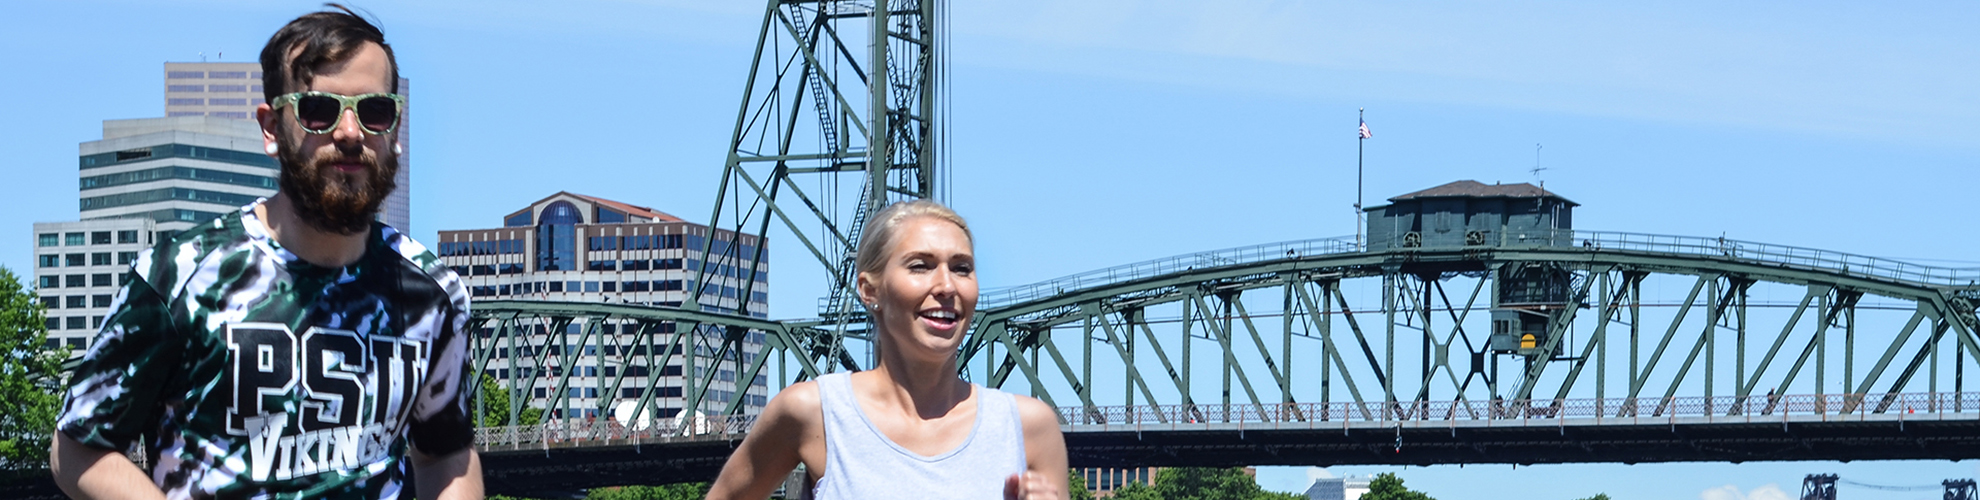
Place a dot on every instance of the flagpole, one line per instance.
(1361, 116)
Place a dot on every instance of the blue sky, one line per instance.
(1096, 133)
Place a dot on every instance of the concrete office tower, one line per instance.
(78, 268)
(146, 180)
(576, 248)
(233, 90)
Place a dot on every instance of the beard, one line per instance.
(331, 200)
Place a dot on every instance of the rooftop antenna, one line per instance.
(202, 57)
(1537, 168)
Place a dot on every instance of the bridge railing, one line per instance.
(1170, 265)
(604, 432)
(1770, 406)
(1809, 258)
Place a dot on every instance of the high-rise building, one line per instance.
(233, 90)
(144, 181)
(571, 247)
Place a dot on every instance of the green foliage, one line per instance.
(682, 491)
(1136, 491)
(1386, 486)
(30, 378)
(495, 405)
(1598, 496)
(1076, 485)
(1197, 483)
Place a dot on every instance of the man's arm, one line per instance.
(87, 472)
(456, 476)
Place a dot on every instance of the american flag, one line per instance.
(1364, 130)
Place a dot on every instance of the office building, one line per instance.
(570, 247)
(1102, 481)
(1338, 488)
(146, 180)
(233, 90)
(78, 268)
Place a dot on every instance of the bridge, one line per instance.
(1656, 348)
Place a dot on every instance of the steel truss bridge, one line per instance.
(1652, 348)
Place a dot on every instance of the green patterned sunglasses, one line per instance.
(318, 112)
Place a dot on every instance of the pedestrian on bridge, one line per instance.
(910, 428)
(295, 347)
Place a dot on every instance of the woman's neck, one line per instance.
(928, 388)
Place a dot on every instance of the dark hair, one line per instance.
(326, 37)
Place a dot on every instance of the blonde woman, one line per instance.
(909, 428)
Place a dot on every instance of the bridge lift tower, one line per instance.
(841, 115)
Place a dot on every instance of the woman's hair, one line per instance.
(883, 229)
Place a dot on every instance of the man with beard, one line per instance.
(294, 348)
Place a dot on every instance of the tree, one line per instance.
(1198, 483)
(1598, 496)
(495, 406)
(30, 377)
(681, 491)
(1076, 485)
(1136, 491)
(1386, 486)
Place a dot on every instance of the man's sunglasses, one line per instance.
(318, 112)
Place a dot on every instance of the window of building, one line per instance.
(48, 239)
(72, 239)
(99, 238)
(99, 259)
(101, 279)
(518, 220)
(591, 287)
(667, 263)
(126, 258)
(609, 286)
(124, 279)
(181, 75)
(505, 290)
(237, 115)
(78, 322)
(96, 322)
(604, 243)
(127, 236)
(227, 74)
(602, 265)
(226, 88)
(510, 268)
(51, 282)
(73, 260)
(99, 300)
(51, 261)
(668, 286)
(185, 101)
(228, 101)
(556, 237)
(51, 302)
(636, 265)
(609, 216)
(185, 88)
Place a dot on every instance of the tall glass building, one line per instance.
(571, 247)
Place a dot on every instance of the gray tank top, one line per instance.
(861, 463)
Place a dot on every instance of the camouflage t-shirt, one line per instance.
(251, 373)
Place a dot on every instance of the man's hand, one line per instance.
(1032, 486)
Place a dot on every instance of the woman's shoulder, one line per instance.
(799, 402)
(1031, 411)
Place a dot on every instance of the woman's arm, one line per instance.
(767, 455)
(1045, 454)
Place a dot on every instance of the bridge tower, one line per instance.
(1818, 487)
(841, 115)
(1531, 302)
